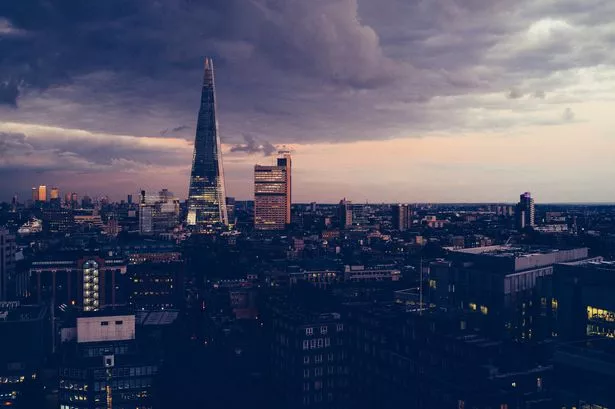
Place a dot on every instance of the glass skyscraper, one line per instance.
(206, 196)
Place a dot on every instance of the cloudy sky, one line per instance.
(380, 100)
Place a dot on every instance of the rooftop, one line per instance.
(508, 251)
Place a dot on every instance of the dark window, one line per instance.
(103, 323)
(119, 322)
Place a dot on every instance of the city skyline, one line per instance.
(445, 102)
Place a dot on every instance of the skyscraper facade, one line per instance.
(42, 193)
(272, 194)
(206, 196)
(401, 216)
(525, 214)
(344, 214)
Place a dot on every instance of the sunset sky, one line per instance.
(379, 100)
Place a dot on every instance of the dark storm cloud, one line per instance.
(319, 70)
(252, 146)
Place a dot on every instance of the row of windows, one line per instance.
(316, 343)
(131, 383)
(106, 323)
(319, 384)
(323, 329)
(598, 314)
(319, 371)
(127, 372)
(107, 350)
(319, 358)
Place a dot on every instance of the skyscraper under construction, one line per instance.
(206, 196)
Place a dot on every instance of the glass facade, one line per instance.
(272, 195)
(206, 198)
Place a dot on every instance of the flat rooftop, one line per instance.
(507, 251)
(593, 263)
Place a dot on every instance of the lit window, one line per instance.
(484, 310)
(433, 284)
(472, 306)
(309, 331)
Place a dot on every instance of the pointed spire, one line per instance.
(208, 77)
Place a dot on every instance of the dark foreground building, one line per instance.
(585, 359)
(308, 356)
(25, 341)
(103, 366)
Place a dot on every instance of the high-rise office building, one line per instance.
(158, 213)
(525, 211)
(7, 263)
(401, 216)
(42, 193)
(55, 194)
(230, 209)
(74, 200)
(284, 161)
(34, 194)
(206, 196)
(272, 194)
(344, 213)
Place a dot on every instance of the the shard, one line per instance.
(206, 196)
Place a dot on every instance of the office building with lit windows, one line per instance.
(206, 195)
(25, 338)
(89, 282)
(272, 194)
(156, 286)
(158, 213)
(102, 364)
(42, 193)
(584, 360)
(496, 284)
